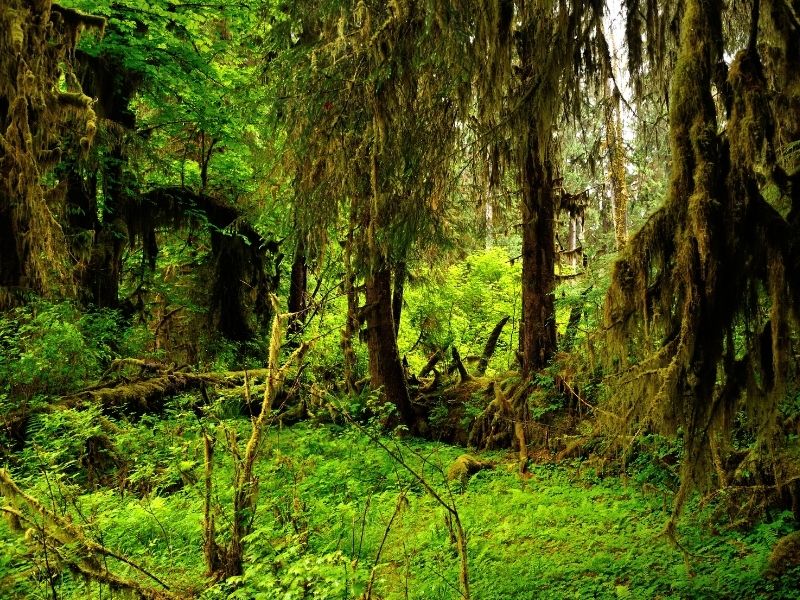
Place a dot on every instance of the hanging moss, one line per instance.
(703, 301)
(33, 113)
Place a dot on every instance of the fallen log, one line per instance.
(146, 394)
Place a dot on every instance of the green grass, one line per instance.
(326, 495)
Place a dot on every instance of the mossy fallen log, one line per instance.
(147, 392)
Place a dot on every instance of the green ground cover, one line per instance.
(335, 510)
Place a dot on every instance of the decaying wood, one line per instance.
(432, 361)
(491, 344)
(462, 371)
(432, 385)
(464, 467)
(503, 420)
(245, 484)
(148, 393)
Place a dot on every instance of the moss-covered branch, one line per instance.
(50, 531)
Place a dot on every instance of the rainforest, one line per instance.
(430, 299)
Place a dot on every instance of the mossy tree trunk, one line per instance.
(703, 302)
(37, 49)
(100, 264)
(101, 195)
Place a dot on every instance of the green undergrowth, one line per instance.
(335, 510)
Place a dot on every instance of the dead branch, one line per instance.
(462, 371)
(55, 532)
(491, 344)
(432, 361)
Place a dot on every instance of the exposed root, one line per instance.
(503, 421)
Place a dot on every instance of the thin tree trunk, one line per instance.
(400, 273)
(385, 367)
(491, 344)
(462, 370)
(210, 547)
(245, 489)
(537, 339)
(572, 239)
(297, 289)
(619, 187)
(351, 320)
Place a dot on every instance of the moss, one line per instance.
(40, 45)
(785, 555)
(464, 467)
(710, 267)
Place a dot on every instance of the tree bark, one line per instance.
(432, 360)
(463, 374)
(11, 267)
(572, 240)
(110, 236)
(400, 273)
(491, 344)
(385, 367)
(537, 340)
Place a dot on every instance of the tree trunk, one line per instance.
(491, 344)
(105, 264)
(99, 260)
(385, 367)
(229, 315)
(400, 272)
(572, 239)
(575, 314)
(297, 289)
(537, 339)
(111, 236)
(351, 325)
(619, 187)
(10, 262)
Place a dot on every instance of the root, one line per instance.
(503, 422)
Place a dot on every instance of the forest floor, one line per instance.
(335, 510)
